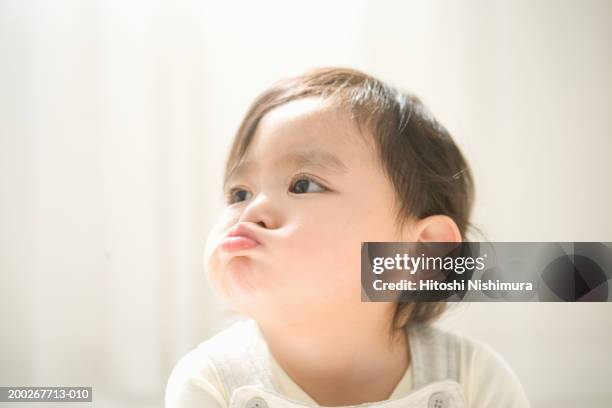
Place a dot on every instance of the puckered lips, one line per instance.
(240, 237)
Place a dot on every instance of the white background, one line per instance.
(115, 118)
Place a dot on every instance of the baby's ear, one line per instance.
(437, 228)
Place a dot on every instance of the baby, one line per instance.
(322, 162)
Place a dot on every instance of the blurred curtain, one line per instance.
(104, 180)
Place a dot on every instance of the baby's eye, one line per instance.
(303, 184)
(237, 194)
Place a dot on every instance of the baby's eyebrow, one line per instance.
(299, 158)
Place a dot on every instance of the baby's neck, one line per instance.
(347, 362)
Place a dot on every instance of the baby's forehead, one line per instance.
(303, 110)
(309, 122)
(289, 147)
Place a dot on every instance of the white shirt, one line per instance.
(486, 380)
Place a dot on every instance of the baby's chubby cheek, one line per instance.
(299, 259)
(212, 261)
(326, 261)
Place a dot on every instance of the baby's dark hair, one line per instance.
(426, 168)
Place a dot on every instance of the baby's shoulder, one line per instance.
(482, 371)
(195, 377)
(464, 347)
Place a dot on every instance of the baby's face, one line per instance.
(312, 193)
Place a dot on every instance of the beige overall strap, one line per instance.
(237, 354)
(434, 355)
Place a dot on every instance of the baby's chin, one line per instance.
(243, 282)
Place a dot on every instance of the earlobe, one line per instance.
(437, 228)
